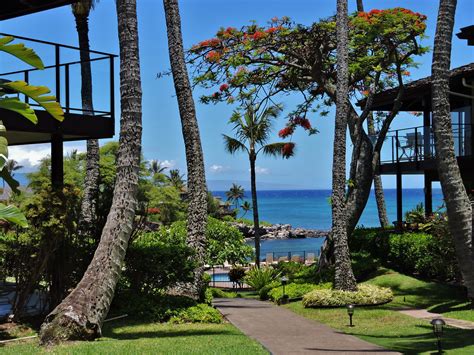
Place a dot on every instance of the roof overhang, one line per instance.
(467, 33)
(16, 8)
(417, 95)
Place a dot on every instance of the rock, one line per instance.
(279, 231)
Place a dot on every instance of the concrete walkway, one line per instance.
(284, 332)
(424, 314)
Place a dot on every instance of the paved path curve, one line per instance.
(284, 332)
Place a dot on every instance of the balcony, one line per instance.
(417, 143)
(62, 74)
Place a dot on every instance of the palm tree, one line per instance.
(87, 217)
(246, 206)
(252, 130)
(176, 179)
(235, 194)
(343, 277)
(156, 167)
(197, 190)
(81, 314)
(458, 206)
(11, 166)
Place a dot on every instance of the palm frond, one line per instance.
(233, 145)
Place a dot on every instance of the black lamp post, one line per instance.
(284, 281)
(438, 325)
(350, 312)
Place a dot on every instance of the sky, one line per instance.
(310, 168)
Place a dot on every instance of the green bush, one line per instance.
(265, 290)
(260, 277)
(289, 268)
(157, 260)
(201, 313)
(428, 255)
(365, 295)
(295, 290)
(218, 293)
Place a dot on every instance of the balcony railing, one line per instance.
(63, 77)
(417, 144)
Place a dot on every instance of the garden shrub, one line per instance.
(157, 260)
(264, 291)
(295, 291)
(218, 293)
(260, 277)
(290, 269)
(365, 295)
(201, 313)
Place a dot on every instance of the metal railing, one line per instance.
(61, 75)
(416, 144)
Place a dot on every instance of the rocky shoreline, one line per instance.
(280, 231)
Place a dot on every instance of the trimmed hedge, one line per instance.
(365, 295)
(201, 313)
(429, 256)
(295, 290)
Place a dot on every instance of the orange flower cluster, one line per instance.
(271, 30)
(213, 56)
(153, 210)
(285, 132)
(213, 42)
(288, 150)
(259, 35)
(224, 87)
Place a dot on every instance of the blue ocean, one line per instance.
(311, 209)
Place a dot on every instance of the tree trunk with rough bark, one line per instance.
(87, 218)
(81, 314)
(343, 278)
(458, 206)
(378, 187)
(256, 222)
(197, 209)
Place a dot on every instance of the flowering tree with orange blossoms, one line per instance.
(265, 62)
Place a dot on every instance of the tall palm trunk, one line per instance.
(378, 187)
(87, 218)
(256, 222)
(458, 206)
(82, 312)
(197, 209)
(344, 278)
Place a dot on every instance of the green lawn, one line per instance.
(154, 338)
(384, 326)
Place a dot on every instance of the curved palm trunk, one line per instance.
(256, 222)
(343, 278)
(87, 218)
(197, 209)
(81, 314)
(458, 206)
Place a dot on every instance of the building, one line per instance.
(61, 76)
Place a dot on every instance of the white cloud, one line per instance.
(261, 171)
(169, 164)
(215, 168)
(29, 156)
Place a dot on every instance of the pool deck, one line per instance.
(281, 331)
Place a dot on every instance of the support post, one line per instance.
(399, 199)
(426, 128)
(428, 196)
(57, 165)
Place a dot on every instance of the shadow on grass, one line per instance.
(125, 331)
(425, 342)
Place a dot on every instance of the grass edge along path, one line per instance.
(131, 337)
(386, 326)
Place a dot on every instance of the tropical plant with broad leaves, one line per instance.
(9, 100)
